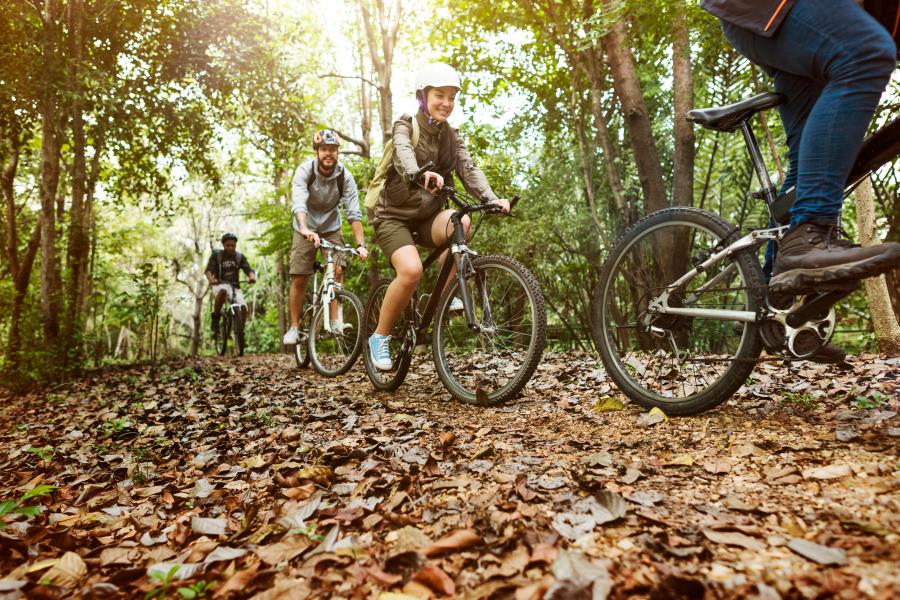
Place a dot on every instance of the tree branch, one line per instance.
(339, 76)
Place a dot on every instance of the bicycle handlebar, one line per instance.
(450, 192)
(344, 249)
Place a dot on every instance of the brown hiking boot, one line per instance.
(811, 258)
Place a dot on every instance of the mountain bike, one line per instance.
(331, 323)
(486, 354)
(682, 312)
(234, 316)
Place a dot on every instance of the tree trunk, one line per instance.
(386, 37)
(51, 292)
(365, 103)
(602, 138)
(683, 92)
(78, 246)
(585, 156)
(884, 321)
(196, 318)
(637, 120)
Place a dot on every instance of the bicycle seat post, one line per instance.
(758, 163)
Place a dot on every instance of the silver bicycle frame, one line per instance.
(660, 304)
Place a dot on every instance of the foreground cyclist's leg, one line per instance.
(852, 56)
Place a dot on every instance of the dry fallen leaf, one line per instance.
(683, 460)
(458, 540)
(733, 538)
(208, 526)
(608, 404)
(827, 472)
(67, 572)
(823, 555)
(435, 579)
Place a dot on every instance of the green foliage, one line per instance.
(801, 400)
(45, 453)
(196, 590)
(875, 400)
(8, 507)
(165, 582)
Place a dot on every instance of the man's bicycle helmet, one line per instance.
(229, 236)
(326, 137)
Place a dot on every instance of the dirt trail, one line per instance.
(263, 481)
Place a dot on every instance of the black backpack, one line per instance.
(312, 178)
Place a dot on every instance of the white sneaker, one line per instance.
(341, 327)
(291, 337)
(456, 306)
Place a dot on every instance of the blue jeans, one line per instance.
(832, 60)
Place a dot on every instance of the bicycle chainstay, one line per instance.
(780, 356)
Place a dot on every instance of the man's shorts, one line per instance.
(393, 234)
(303, 253)
(238, 296)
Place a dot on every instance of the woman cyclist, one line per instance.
(408, 207)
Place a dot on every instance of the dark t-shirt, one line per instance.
(225, 267)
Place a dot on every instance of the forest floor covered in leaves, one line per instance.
(250, 478)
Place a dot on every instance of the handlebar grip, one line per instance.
(426, 167)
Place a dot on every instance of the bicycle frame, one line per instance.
(460, 251)
(325, 294)
(877, 149)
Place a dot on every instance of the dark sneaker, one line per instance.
(215, 325)
(812, 258)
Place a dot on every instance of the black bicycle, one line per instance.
(682, 313)
(232, 324)
(485, 354)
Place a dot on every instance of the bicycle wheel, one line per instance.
(301, 348)
(401, 344)
(334, 352)
(224, 333)
(491, 365)
(239, 316)
(683, 365)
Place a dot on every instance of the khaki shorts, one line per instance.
(303, 253)
(393, 234)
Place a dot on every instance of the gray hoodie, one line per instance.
(320, 200)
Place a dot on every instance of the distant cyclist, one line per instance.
(224, 268)
(406, 206)
(319, 186)
(832, 61)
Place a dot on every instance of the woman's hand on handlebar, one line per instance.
(432, 182)
(503, 203)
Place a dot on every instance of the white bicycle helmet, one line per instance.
(437, 75)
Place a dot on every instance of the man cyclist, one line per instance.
(832, 64)
(224, 268)
(318, 187)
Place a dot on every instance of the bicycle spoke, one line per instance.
(695, 353)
